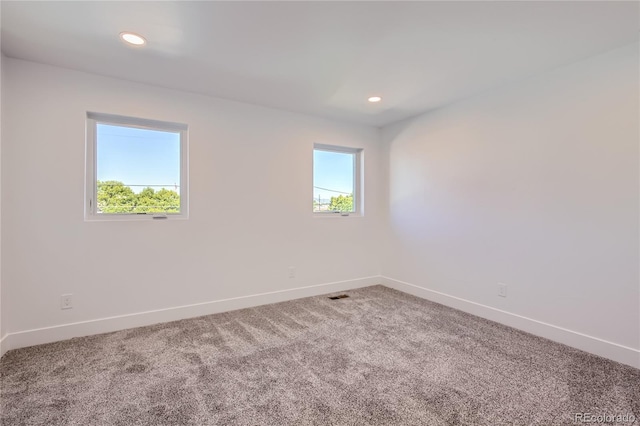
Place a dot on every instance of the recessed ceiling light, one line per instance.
(374, 99)
(133, 38)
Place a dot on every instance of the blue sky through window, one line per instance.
(332, 174)
(138, 157)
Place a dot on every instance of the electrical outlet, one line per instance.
(502, 290)
(65, 301)
(292, 272)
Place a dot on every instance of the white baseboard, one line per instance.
(3, 345)
(594, 345)
(56, 333)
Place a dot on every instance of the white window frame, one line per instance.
(91, 190)
(358, 178)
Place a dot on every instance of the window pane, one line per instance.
(333, 181)
(137, 170)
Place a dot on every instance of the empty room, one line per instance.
(319, 213)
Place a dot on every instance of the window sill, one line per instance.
(335, 216)
(133, 218)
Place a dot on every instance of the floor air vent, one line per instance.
(341, 296)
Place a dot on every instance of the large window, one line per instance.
(136, 168)
(336, 180)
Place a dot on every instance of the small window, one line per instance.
(336, 180)
(136, 168)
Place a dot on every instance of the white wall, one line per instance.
(250, 202)
(3, 311)
(535, 186)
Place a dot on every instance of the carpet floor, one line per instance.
(379, 357)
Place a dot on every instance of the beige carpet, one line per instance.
(379, 357)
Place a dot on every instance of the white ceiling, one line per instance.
(321, 58)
